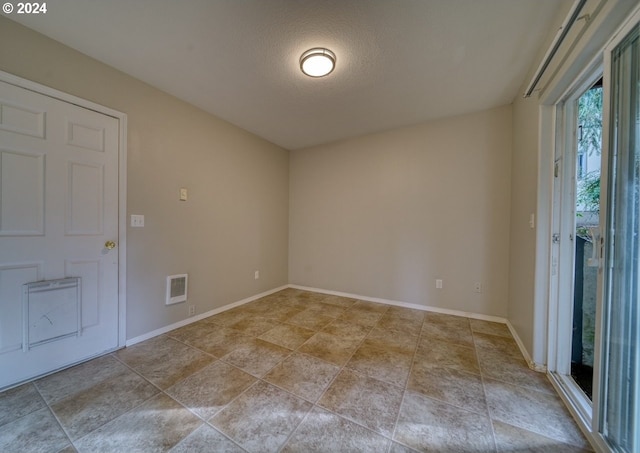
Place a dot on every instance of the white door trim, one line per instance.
(122, 182)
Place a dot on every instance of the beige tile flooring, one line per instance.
(299, 372)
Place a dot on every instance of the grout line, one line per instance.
(344, 366)
(208, 425)
(261, 378)
(52, 412)
(215, 357)
(113, 355)
(137, 372)
(192, 411)
(313, 404)
(406, 383)
(326, 387)
(294, 430)
(484, 392)
(232, 400)
(340, 370)
(186, 407)
(119, 416)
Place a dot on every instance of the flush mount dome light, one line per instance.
(317, 62)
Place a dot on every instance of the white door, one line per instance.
(58, 209)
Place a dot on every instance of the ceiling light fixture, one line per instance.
(317, 62)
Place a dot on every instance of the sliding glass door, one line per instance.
(619, 418)
(594, 303)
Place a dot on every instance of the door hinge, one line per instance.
(555, 238)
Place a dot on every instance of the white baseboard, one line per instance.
(446, 311)
(397, 303)
(215, 311)
(184, 322)
(534, 366)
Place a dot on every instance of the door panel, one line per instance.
(89, 271)
(21, 119)
(21, 194)
(85, 195)
(58, 207)
(620, 397)
(11, 332)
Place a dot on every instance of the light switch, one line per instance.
(183, 194)
(137, 220)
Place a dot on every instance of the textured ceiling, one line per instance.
(399, 62)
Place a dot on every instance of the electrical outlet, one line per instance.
(477, 287)
(256, 275)
(438, 284)
(192, 310)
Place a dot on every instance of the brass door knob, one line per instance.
(109, 245)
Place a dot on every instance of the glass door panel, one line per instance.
(620, 381)
(587, 200)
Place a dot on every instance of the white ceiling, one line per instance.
(399, 62)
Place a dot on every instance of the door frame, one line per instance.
(561, 293)
(122, 181)
(586, 57)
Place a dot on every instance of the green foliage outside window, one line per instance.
(590, 120)
(589, 192)
(590, 143)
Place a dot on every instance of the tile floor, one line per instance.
(299, 372)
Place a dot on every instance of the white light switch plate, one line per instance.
(137, 220)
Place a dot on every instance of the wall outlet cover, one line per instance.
(137, 220)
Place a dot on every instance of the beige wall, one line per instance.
(387, 214)
(522, 250)
(236, 219)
